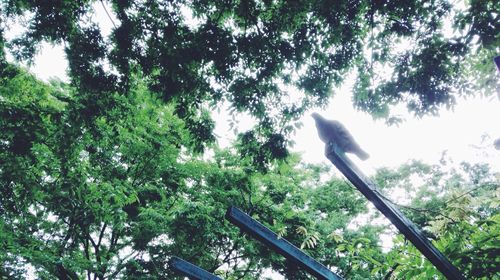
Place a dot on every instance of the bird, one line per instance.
(334, 131)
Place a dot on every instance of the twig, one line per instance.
(107, 13)
(468, 192)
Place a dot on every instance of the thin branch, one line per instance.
(138, 172)
(120, 265)
(421, 210)
(91, 240)
(391, 271)
(113, 240)
(87, 255)
(107, 13)
(469, 191)
(101, 234)
(247, 270)
(228, 255)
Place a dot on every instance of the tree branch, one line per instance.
(468, 192)
(107, 13)
(101, 234)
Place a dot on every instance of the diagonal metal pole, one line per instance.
(279, 245)
(190, 270)
(405, 226)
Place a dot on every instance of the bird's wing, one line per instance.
(342, 134)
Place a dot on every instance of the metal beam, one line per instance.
(190, 270)
(405, 226)
(280, 245)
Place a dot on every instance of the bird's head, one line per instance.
(316, 116)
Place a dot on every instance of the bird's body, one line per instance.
(334, 131)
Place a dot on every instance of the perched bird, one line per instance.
(334, 131)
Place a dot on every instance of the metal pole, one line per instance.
(405, 226)
(279, 245)
(190, 270)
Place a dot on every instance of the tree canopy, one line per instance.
(108, 176)
(252, 54)
(116, 195)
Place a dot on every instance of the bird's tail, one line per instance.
(362, 154)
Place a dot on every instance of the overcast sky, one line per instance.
(465, 133)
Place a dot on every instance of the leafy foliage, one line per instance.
(458, 210)
(108, 177)
(199, 54)
(118, 193)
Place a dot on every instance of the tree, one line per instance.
(103, 178)
(250, 53)
(457, 209)
(71, 181)
(115, 195)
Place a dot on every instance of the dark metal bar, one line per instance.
(280, 245)
(405, 226)
(190, 270)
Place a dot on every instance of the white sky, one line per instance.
(425, 139)
(459, 132)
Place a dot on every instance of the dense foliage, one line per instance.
(119, 193)
(250, 54)
(115, 195)
(457, 208)
(110, 175)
